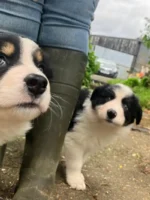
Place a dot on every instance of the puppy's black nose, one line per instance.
(111, 114)
(36, 84)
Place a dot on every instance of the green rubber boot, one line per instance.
(44, 143)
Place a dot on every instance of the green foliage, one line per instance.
(132, 82)
(92, 67)
(146, 41)
(145, 82)
(141, 87)
(144, 96)
(146, 34)
(115, 81)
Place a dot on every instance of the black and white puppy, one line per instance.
(99, 118)
(24, 87)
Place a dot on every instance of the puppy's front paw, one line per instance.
(76, 181)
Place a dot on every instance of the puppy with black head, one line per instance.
(24, 86)
(98, 119)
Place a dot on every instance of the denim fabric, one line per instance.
(57, 23)
(66, 23)
(21, 16)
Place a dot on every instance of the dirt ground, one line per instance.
(119, 172)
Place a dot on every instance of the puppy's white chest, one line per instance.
(11, 130)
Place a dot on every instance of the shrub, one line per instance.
(145, 82)
(132, 82)
(92, 66)
(144, 96)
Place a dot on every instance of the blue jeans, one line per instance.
(55, 23)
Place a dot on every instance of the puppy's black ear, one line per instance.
(138, 111)
(139, 114)
(98, 95)
(98, 91)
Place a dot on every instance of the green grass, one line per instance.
(115, 81)
(144, 96)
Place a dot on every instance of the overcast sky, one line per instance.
(121, 18)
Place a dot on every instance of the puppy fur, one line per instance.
(19, 58)
(99, 118)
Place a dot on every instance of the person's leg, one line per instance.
(22, 17)
(64, 37)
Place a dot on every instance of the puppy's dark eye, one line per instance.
(41, 66)
(108, 98)
(125, 107)
(2, 61)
